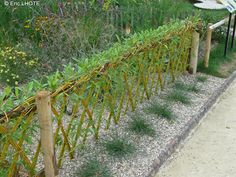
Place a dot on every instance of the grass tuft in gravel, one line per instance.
(161, 110)
(194, 88)
(201, 78)
(179, 96)
(118, 147)
(181, 86)
(140, 126)
(93, 168)
(185, 87)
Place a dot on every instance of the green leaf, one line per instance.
(7, 91)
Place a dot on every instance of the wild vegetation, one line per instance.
(54, 34)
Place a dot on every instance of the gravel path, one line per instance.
(211, 151)
(147, 148)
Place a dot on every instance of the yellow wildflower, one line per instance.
(27, 26)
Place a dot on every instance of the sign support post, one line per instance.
(232, 42)
(227, 36)
(231, 7)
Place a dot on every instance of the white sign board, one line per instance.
(230, 5)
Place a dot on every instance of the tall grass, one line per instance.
(80, 29)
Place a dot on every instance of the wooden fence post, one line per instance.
(46, 133)
(194, 53)
(208, 46)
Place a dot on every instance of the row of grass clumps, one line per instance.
(120, 147)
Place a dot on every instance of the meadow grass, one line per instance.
(69, 36)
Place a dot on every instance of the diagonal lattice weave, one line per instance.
(82, 107)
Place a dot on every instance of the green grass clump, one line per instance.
(161, 110)
(186, 87)
(141, 127)
(201, 78)
(93, 168)
(118, 147)
(179, 96)
(194, 88)
(181, 86)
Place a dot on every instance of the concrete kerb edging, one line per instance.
(176, 141)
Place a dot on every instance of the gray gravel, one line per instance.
(147, 148)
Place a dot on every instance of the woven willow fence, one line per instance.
(80, 108)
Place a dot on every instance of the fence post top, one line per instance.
(199, 26)
(43, 94)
